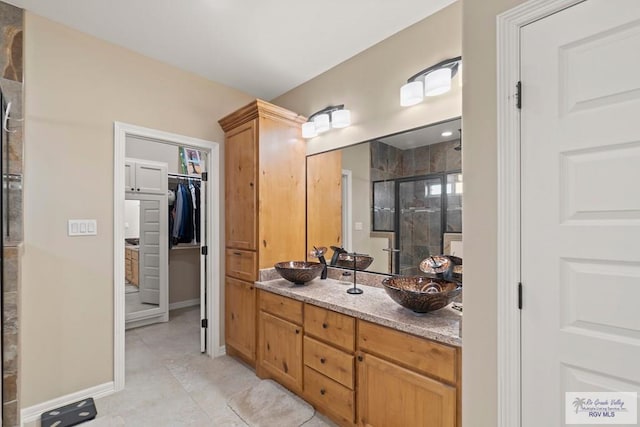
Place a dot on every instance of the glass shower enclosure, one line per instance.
(418, 210)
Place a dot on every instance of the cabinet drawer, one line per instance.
(328, 395)
(280, 306)
(242, 265)
(329, 361)
(334, 328)
(418, 354)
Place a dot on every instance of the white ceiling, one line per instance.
(424, 136)
(262, 47)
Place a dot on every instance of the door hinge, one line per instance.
(204, 176)
(204, 250)
(519, 95)
(205, 323)
(520, 295)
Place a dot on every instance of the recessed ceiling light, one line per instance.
(447, 133)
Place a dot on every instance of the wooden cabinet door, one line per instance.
(241, 186)
(324, 200)
(390, 396)
(280, 350)
(240, 317)
(151, 178)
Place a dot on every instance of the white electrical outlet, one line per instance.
(82, 227)
(358, 226)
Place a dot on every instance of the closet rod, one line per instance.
(180, 175)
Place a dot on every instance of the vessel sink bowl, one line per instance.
(421, 294)
(299, 272)
(346, 261)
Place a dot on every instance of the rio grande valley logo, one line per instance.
(601, 408)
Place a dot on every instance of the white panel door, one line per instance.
(150, 252)
(129, 176)
(580, 71)
(151, 178)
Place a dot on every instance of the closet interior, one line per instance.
(165, 229)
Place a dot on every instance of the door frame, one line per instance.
(121, 130)
(347, 209)
(508, 52)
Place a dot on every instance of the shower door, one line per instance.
(419, 223)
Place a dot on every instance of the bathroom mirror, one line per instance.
(396, 198)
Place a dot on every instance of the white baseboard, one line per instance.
(222, 350)
(184, 304)
(32, 413)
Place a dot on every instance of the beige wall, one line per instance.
(184, 275)
(479, 357)
(369, 83)
(140, 148)
(76, 87)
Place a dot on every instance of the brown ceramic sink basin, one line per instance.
(346, 261)
(421, 294)
(299, 272)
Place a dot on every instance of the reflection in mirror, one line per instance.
(403, 197)
(142, 255)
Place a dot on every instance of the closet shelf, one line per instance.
(182, 246)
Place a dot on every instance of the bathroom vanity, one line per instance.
(361, 360)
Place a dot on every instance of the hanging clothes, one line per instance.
(186, 213)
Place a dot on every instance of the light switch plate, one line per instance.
(358, 226)
(82, 227)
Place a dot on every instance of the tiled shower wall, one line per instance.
(11, 82)
(420, 230)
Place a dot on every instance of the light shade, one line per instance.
(340, 118)
(411, 93)
(322, 122)
(309, 130)
(437, 82)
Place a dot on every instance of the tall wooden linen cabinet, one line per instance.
(265, 209)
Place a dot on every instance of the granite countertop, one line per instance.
(374, 305)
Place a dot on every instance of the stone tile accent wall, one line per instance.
(11, 83)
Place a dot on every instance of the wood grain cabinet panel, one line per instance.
(241, 264)
(240, 320)
(264, 195)
(241, 163)
(286, 308)
(324, 200)
(329, 396)
(329, 361)
(329, 326)
(392, 396)
(419, 354)
(280, 350)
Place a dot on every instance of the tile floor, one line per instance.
(170, 383)
(132, 303)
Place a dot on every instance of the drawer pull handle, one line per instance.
(297, 331)
(360, 358)
(322, 360)
(325, 326)
(322, 391)
(237, 253)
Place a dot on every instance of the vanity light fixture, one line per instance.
(431, 81)
(333, 116)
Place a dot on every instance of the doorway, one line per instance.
(148, 184)
(568, 268)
